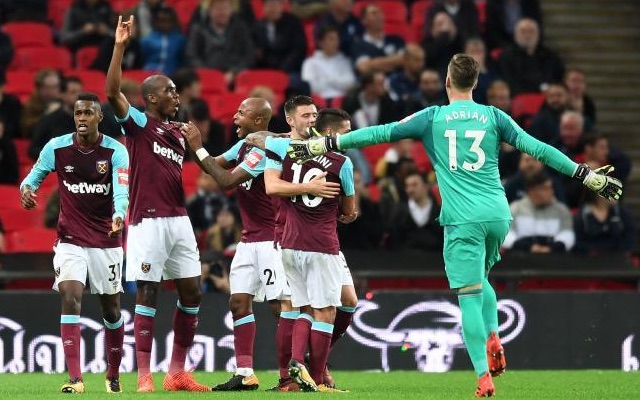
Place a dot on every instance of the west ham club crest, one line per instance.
(102, 166)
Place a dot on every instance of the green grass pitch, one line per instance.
(588, 384)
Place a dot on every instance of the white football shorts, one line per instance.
(162, 248)
(103, 266)
(315, 278)
(347, 279)
(257, 269)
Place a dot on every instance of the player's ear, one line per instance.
(289, 120)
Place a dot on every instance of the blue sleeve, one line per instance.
(136, 115)
(278, 147)
(511, 133)
(232, 153)
(120, 181)
(43, 166)
(346, 178)
(254, 162)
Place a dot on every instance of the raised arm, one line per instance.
(114, 75)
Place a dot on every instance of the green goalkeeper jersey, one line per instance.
(463, 141)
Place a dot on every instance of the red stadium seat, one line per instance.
(319, 100)
(482, 14)
(56, 11)
(10, 197)
(22, 149)
(423, 163)
(394, 11)
(256, 5)
(248, 79)
(223, 108)
(374, 192)
(190, 172)
(124, 5)
(526, 105)
(185, 10)
(402, 29)
(138, 75)
(20, 83)
(29, 34)
(20, 219)
(212, 81)
(85, 56)
(309, 27)
(374, 153)
(419, 12)
(32, 240)
(93, 81)
(37, 58)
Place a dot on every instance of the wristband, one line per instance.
(202, 153)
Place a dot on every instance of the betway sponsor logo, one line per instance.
(169, 153)
(88, 188)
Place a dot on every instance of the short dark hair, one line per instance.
(593, 138)
(326, 30)
(293, 103)
(184, 78)
(537, 179)
(88, 96)
(330, 118)
(463, 70)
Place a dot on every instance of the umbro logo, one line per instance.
(159, 130)
(68, 168)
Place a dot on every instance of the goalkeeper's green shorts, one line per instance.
(470, 250)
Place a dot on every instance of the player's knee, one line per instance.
(469, 288)
(349, 300)
(147, 293)
(111, 314)
(274, 305)
(71, 304)
(239, 305)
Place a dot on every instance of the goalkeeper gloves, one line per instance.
(304, 150)
(606, 186)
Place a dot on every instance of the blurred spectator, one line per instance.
(463, 13)
(278, 122)
(514, 188)
(341, 16)
(371, 104)
(502, 17)
(430, 93)
(225, 234)
(545, 125)
(189, 88)
(6, 51)
(214, 136)
(541, 224)
(571, 134)
(328, 71)
(475, 48)
(43, 99)
(200, 15)
(52, 210)
(602, 227)
(405, 83)
(204, 206)
(309, 9)
(87, 23)
(376, 51)
(498, 95)
(392, 188)
(223, 43)
(10, 110)
(143, 14)
(23, 10)
(279, 38)
(399, 150)
(442, 42)
(58, 122)
(215, 273)
(163, 48)
(598, 153)
(576, 81)
(528, 66)
(132, 58)
(365, 232)
(9, 171)
(414, 221)
(133, 93)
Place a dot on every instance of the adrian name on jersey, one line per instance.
(91, 188)
(167, 152)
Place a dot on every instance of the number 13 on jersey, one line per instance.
(477, 137)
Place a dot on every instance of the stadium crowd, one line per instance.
(379, 61)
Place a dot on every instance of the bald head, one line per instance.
(153, 84)
(260, 108)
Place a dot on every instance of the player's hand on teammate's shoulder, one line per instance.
(305, 150)
(319, 187)
(347, 219)
(191, 132)
(28, 198)
(123, 30)
(117, 225)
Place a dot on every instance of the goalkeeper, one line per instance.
(462, 140)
